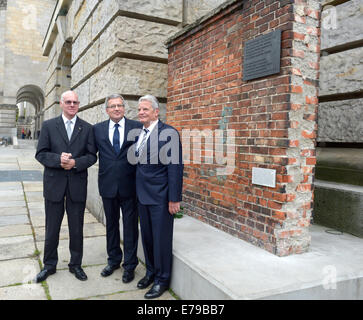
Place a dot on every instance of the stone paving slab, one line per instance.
(37, 217)
(32, 291)
(94, 252)
(20, 175)
(131, 295)
(9, 166)
(16, 247)
(64, 285)
(33, 186)
(13, 211)
(30, 165)
(8, 186)
(12, 204)
(11, 196)
(23, 271)
(89, 230)
(15, 230)
(18, 262)
(5, 159)
(10, 193)
(11, 220)
(34, 196)
(36, 205)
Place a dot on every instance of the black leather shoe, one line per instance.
(156, 291)
(79, 273)
(128, 276)
(42, 275)
(108, 270)
(145, 282)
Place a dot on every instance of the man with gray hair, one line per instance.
(116, 184)
(66, 148)
(159, 180)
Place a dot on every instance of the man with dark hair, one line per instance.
(116, 183)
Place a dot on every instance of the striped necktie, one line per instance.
(141, 146)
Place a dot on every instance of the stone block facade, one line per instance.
(341, 72)
(112, 46)
(22, 27)
(273, 120)
(339, 182)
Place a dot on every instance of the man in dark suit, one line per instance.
(66, 148)
(116, 184)
(159, 180)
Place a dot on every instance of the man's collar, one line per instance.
(121, 123)
(152, 125)
(65, 119)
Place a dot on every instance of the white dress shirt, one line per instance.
(121, 130)
(150, 128)
(73, 120)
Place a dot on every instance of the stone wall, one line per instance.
(339, 174)
(341, 73)
(23, 25)
(112, 46)
(273, 121)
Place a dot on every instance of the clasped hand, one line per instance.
(67, 163)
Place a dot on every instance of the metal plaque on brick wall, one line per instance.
(262, 56)
(264, 177)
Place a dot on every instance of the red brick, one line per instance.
(206, 91)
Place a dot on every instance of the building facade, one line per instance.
(23, 25)
(101, 47)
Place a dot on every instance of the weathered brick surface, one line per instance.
(273, 118)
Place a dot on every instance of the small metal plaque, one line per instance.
(264, 177)
(262, 56)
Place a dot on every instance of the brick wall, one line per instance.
(271, 119)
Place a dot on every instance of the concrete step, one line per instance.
(25, 144)
(339, 206)
(210, 264)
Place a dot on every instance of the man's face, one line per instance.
(147, 113)
(70, 105)
(115, 109)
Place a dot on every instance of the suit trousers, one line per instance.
(130, 231)
(157, 238)
(54, 212)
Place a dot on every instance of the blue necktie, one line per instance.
(116, 139)
(138, 151)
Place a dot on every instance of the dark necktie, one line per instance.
(116, 139)
(138, 151)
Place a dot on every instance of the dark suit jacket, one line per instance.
(52, 142)
(159, 173)
(116, 174)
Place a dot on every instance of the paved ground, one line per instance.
(22, 225)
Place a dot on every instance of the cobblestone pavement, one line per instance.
(22, 227)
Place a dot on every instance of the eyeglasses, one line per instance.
(115, 105)
(69, 102)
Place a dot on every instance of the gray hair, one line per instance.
(66, 92)
(115, 96)
(154, 102)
